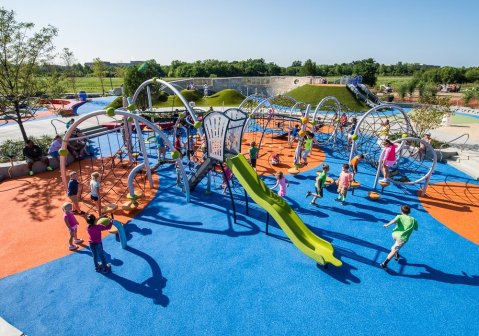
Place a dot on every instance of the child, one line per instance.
(406, 224)
(293, 135)
(344, 181)
(55, 146)
(343, 121)
(190, 147)
(354, 164)
(389, 158)
(352, 129)
(253, 155)
(95, 190)
(282, 182)
(308, 146)
(177, 171)
(226, 178)
(160, 146)
(275, 159)
(96, 246)
(72, 192)
(319, 185)
(72, 225)
(177, 144)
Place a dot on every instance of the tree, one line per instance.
(21, 53)
(309, 68)
(99, 69)
(368, 69)
(69, 60)
(135, 75)
(429, 115)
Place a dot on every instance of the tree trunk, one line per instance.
(102, 87)
(20, 121)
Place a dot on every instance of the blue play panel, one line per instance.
(190, 270)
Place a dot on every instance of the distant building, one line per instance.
(110, 64)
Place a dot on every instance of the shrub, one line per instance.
(15, 147)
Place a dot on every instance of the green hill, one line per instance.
(312, 94)
(227, 97)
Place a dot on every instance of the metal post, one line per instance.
(229, 189)
(246, 201)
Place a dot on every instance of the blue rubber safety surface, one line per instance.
(190, 270)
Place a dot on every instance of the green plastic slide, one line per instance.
(313, 246)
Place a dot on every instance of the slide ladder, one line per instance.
(302, 237)
(201, 172)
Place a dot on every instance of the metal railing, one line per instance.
(466, 135)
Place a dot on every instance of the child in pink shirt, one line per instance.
(96, 246)
(282, 183)
(72, 225)
(389, 158)
(344, 182)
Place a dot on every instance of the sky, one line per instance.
(336, 31)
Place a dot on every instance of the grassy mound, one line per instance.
(227, 97)
(312, 94)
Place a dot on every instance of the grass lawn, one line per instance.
(312, 94)
(93, 84)
(464, 119)
(226, 97)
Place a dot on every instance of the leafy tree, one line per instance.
(99, 69)
(308, 69)
(135, 75)
(429, 116)
(472, 75)
(368, 69)
(21, 53)
(69, 60)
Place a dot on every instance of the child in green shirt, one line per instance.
(253, 155)
(405, 225)
(319, 185)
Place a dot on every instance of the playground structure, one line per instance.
(123, 157)
(224, 133)
(415, 158)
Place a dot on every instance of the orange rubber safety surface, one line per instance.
(272, 145)
(455, 205)
(32, 230)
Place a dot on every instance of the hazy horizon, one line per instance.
(327, 33)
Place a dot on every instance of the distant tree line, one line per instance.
(368, 68)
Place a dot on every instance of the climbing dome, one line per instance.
(379, 123)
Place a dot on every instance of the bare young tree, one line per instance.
(69, 60)
(21, 53)
(99, 69)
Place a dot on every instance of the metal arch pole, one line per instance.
(148, 94)
(172, 88)
(146, 162)
(132, 175)
(380, 165)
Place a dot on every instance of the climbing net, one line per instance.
(378, 124)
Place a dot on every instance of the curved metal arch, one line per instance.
(169, 86)
(428, 174)
(323, 102)
(371, 111)
(126, 115)
(250, 98)
(382, 106)
(317, 111)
